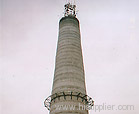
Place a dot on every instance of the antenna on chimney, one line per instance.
(70, 9)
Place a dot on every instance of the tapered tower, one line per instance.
(69, 90)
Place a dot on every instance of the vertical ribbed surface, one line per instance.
(69, 69)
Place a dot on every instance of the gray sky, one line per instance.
(110, 42)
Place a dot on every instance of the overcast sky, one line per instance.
(110, 45)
